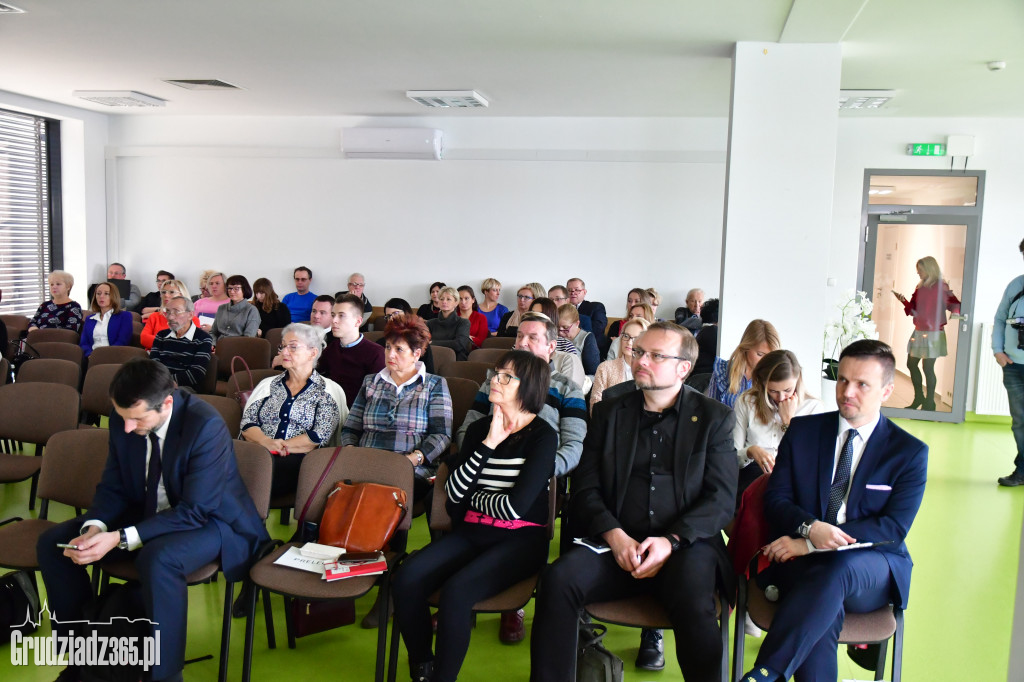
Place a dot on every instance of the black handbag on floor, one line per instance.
(19, 603)
(594, 663)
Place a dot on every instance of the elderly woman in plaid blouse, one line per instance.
(402, 408)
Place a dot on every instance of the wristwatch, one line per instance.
(672, 540)
(419, 457)
(805, 529)
(123, 544)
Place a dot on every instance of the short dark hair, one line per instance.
(688, 348)
(239, 281)
(304, 268)
(871, 348)
(550, 325)
(120, 265)
(1022, 246)
(547, 306)
(409, 328)
(348, 299)
(439, 285)
(141, 379)
(534, 378)
(472, 294)
(399, 303)
(168, 275)
(709, 311)
(326, 298)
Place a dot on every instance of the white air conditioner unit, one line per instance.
(391, 143)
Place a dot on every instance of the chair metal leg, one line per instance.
(724, 627)
(897, 647)
(250, 618)
(32, 493)
(268, 617)
(383, 599)
(741, 619)
(225, 631)
(289, 623)
(44, 508)
(880, 661)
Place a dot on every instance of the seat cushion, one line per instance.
(18, 543)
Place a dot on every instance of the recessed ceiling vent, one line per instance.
(447, 99)
(10, 9)
(120, 98)
(202, 84)
(864, 99)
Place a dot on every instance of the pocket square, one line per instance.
(874, 486)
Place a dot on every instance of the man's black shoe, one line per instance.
(651, 655)
(1014, 479)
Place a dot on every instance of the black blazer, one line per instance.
(705, 466)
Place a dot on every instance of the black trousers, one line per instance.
(685, 586)
(470, 564)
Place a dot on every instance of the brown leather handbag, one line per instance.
(361, 517)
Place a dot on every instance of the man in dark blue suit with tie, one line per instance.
(171, 499)
(839, 479)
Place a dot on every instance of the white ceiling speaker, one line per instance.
(392, 143)
(448, 99)
(120, 98)
(865, 99)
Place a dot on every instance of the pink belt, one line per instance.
(485, 520)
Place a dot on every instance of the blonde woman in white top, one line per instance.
(764, 412)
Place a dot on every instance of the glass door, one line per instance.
(920, 257)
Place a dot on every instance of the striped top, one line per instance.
(508, 483)
(187, 357)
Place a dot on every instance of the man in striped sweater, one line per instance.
(565, 410)
(183, 348)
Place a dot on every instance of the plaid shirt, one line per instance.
(419, 417)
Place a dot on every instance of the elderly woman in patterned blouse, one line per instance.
(294, 412)
(60, 312)
(402, 408)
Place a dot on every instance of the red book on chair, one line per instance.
(356, 563)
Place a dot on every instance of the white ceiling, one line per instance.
(528, 57)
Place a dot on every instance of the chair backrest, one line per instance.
(32, 412)
(486, 355)
(61, 351)
(209, 384)
(699, 382)
(229, 409)
(503, 342)
(73, 466)
(16, 324)
(60, 335)
(274, 337)
(96, 388)
(612, 322)
(52, 370)
(476, 371)
(463, 393)
(357, 465)
(255, 351)
(136, 316)
(115, 355)
(443, 356)
(440, 521)
(255, 465)
(375, 336)
(5, 370)
(258, 375)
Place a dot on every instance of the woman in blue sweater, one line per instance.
(497, 496)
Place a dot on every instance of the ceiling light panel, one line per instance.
(448, 99)
(120, 98)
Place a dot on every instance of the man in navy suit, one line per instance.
(593, 310)
(839, 479)
(171, 499)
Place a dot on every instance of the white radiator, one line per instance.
(991, 396)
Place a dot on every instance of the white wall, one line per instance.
(881, 142)
(632, 202)
(83, 139)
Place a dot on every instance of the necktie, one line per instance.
(841, 480)
(153, 476)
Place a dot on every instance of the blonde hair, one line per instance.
(648, 311)
(449, 291)
(756, 333)
(205, 276)
(490, 283)
(536, 288)
(179, 285)
(654, 296)
(62, 276)
(932, 272)
(568, 312)
(640, 322)
(779, 365)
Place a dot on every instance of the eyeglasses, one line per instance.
(235, 288)
(357, 285)
(291, 348)
(566, 329)
(503, 378)
(524, 298)
(657, 358)
(629, 337)
(388, 316)
(171, 312)
(575, 291)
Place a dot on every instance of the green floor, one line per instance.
(965, 544)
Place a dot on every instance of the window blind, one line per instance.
(25, 214)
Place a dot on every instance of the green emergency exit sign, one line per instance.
(918, 149)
